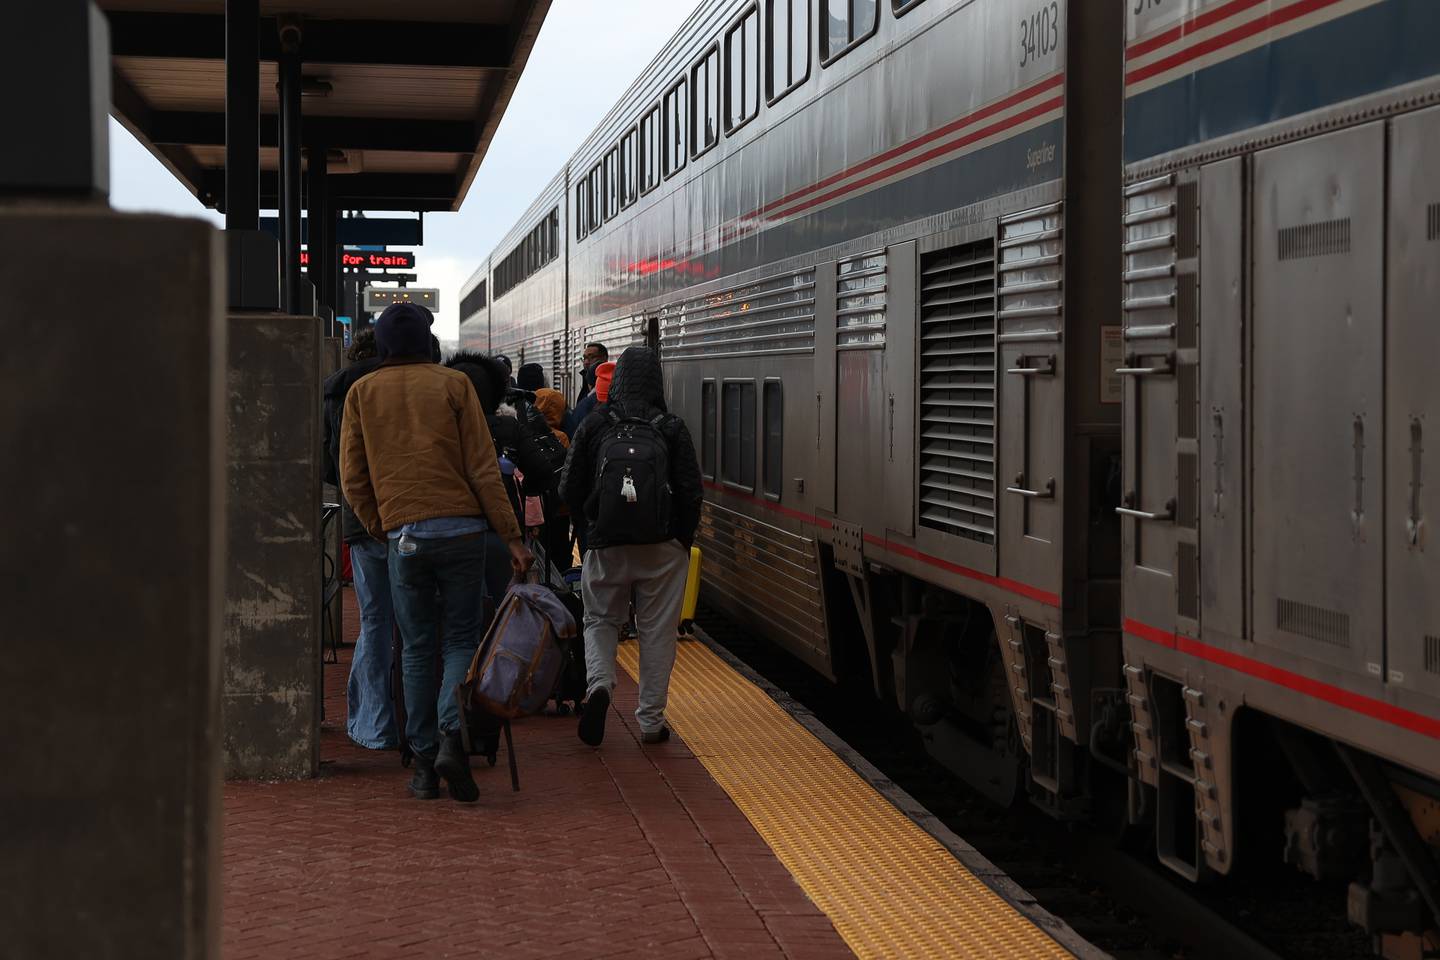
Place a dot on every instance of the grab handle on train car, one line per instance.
(1043, 366)
(1129, 510)
(1047, 493)
(1164, 369)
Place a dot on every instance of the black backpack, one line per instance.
(630, 502)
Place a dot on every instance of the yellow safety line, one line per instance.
(890, 889)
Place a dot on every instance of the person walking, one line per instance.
(633, 479)
(604, 372)
(370, 709)
(418, 466)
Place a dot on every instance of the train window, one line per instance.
(707, 429)
(582, 218)
(737, 425)
(612, 183)
(675, 129)
(742, 58)
(595, 190)
(705, 102)
(905, 6)
(774, 438)
(850, 23)
(629, 175)
(652, 145)
(788, 35)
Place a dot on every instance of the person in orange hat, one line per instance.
(604, 374)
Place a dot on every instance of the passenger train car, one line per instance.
(1057, 370)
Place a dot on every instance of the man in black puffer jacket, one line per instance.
(632, 477)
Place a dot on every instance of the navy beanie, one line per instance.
(403, 330)
(531, 377)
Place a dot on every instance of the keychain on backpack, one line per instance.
(627, 489)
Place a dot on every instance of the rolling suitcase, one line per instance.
(516, 668)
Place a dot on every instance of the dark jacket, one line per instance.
(638, 391)
(517, 438)
(336, 386)
(577, 416)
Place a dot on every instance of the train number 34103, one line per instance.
(1040, 33)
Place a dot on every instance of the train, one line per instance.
(1060, 374)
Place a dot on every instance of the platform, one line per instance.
(745, 836)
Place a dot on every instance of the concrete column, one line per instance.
(112, 427)
(272, 606)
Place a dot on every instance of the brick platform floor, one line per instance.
(622, 852)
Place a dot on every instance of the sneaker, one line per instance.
(592, 721)
(656, 736)
(453, 763)
(425, 785)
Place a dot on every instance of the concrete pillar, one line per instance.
(112, 427)
(272, 605)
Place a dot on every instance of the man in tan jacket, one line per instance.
(418, 467)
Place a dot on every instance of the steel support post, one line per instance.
(290, 182)
(242, 114)
(321, 242)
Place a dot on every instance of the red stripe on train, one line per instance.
(1012, 586)
(1355, 702)
(939, 132)
(1228, 38)
(1039, 109)
(1195, 24)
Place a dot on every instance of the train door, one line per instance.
(1317, 398)
(1221, 493)
(823, 483)
(862, 411)
(1032, 397)
(899, 408)
(1412, 436)
(1159, 314)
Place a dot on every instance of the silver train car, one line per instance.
(1003, 400)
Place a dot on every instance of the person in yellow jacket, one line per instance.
(418, 467)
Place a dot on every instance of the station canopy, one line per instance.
(404, 95)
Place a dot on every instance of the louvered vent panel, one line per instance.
(1315, 623)
(1432, 655)
(765, 318)
(860, 289)
(1323, 239)
(957, 391)
(1432, 222)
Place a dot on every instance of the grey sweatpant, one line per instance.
(656, 573)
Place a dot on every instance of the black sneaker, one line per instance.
(425, 785)
(656, 736)
(592, 721)
(453, 763)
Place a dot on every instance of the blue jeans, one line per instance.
(371, 721)
(438, 593)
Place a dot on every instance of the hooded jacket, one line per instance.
(551, 403)
(514, 433)
(637, 391)
(414, 446)
(336, 386)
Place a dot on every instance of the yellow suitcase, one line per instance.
(692, 593)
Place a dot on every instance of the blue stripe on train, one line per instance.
(1027, 159)
(1383, 46)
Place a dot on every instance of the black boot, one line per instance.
(592, 721)
(453, 763)
(425, 785)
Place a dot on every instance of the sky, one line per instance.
(571, 81)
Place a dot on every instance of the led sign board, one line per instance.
(378, 298)
(371, 259)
